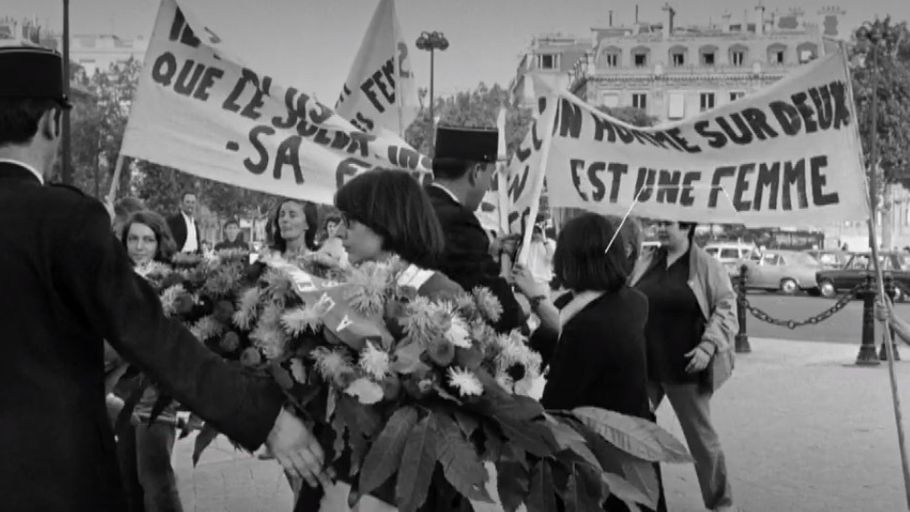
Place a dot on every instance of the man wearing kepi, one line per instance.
(67, 284)
(463, 168)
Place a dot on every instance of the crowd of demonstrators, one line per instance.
(618, 328)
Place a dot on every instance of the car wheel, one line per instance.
(788, 286)
(827, 289)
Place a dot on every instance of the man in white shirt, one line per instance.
(183, 225)
(540, 256)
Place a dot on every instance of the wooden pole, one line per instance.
(66, 166)
(115, 180)
(880, 281)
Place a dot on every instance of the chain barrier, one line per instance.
(841, 303)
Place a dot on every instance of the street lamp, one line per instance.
(432, 41)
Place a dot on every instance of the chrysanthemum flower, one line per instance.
(330, 363)
(270, 339)
(458, 333)
(300, 319)
(246, 308)
(465, 382)
(169, 299)
(374, 362)
(369, 284)
(206, 327)
(487, 303)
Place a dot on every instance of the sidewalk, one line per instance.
(803, 430)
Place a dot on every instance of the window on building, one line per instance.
(641, 60)
(706, 101)
(679, 59)
(737, 57)
(735, 95)
(612, 60)
(707, 59)
(806, 52)
(676, 107)
(640, 100)
(777, 54)
(548, 61)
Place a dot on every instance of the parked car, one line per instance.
(830, 258)
(855, 270)
(731, 254)
(787, 271)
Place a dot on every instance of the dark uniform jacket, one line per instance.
(466, 259)
(65, 285)
(179, 231)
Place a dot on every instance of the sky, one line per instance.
(311, 44)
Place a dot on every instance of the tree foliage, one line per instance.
(632, 115)
(477, 108)
(880, 61)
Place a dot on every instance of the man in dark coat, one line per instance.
(67, 284)
(184, 227)
(462, 171)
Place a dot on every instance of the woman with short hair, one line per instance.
(690, 328)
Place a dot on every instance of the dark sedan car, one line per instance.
(854, 272)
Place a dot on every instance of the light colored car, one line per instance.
(732, 254)
(786, 271)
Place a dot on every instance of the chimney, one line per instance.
(725, 21)
(760, 21)
(668, 24)
(636, 14)
(611, 18)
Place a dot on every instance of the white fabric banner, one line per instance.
(493, 211)
(380, 92)
(203, 113)
(787, 155)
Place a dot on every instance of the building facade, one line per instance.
(98, 52)
(673, 73)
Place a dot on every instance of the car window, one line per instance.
(729, 253)
(712, 251)
(859, 263)
(771, 259)
(885, 262)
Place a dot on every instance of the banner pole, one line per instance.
(880, 281)
(535, 205)
(115, 181)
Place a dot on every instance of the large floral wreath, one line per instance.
(415, 398)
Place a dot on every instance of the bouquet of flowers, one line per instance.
(415, 398)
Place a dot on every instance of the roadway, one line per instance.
(844, 327)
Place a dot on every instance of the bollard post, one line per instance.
(867, 356)
(741, 345)
(891, 290)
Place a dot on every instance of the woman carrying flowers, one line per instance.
(145, 456)
(389, 220)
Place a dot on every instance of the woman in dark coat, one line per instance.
(600, 357)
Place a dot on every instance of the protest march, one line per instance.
(424, 300)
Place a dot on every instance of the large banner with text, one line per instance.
(786, 155)
(199, 110)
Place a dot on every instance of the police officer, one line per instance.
(65, 285)
(463, 168)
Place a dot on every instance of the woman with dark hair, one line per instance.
(146, 237)
(599, 359)
(145, 452)
(292, 228)
(690, 328)
(388, 215)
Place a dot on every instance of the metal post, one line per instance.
(867, 356)
(432, 101)
(66, 174)
(873, 149)
(742, 338)
(891, 290)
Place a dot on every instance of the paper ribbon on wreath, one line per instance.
(341, 320)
